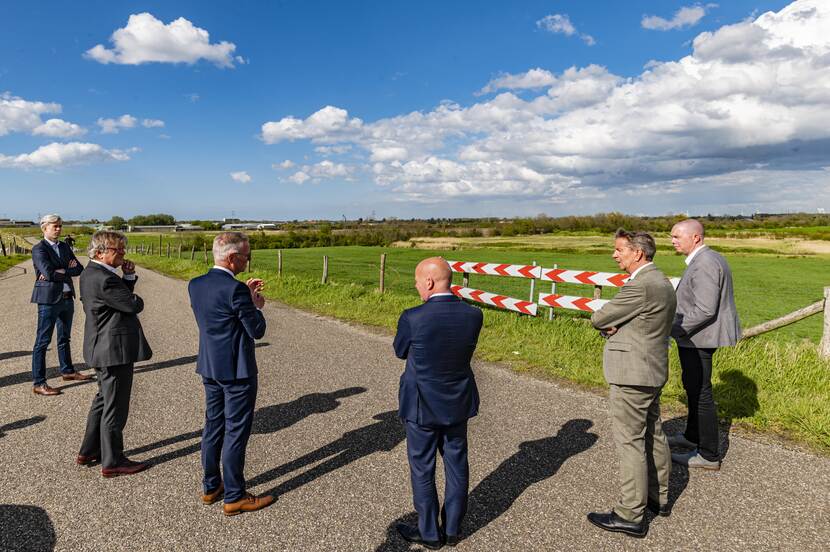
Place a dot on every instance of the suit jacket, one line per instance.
(437, 339)
(228, 325)
(642, 312)
(112, 331)
(50, 290)
(706, 314)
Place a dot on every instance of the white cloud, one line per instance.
(241, 176)
(561, 24)
(58, 128)
(298, 178)
(152, 123)
(687, 16)
(752, 99)
(19, 115)
(146, 39)
(113, 126)
(56, 155)
(533, 79)
(287, 164)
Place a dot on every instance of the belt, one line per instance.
(67, 295)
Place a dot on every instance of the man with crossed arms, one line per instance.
(637, 323)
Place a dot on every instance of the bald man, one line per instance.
(437, 396)
(706, 319)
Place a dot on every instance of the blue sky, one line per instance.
(304, 109)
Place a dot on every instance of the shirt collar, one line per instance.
(50, 242)
(693, 253)
(225, 270)
(105, 265)
(633, 274)
(444, 294)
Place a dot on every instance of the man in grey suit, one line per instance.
(637, 322)
(706, 319)
(113, 341)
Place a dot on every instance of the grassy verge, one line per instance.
(763, 384)
(11, 260)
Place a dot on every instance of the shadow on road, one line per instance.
(535, 461)
(26, 528)
(382, 436)
(20, 424)
(268, 419)
(14, 354)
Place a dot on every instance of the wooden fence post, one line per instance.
(193, 252)
(382, 272)
(465, 279)
(168, 250)
(159, 245)
(279, 262)
(204, 250)
(597, 292)
(824, 348)
(325, 268)
(552, 291)
(533, 287)
(2, 246)
(180, 250)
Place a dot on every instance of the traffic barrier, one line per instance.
(500, 301)
(572, 302)
(495, 269)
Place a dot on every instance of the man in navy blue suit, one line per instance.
(437, 396)
(54, 294)
(229, 318)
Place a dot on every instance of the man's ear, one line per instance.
(430, 283)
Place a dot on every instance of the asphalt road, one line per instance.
(327, 443)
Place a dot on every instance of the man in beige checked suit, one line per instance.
(637, 323)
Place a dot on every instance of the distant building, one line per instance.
(266, 226)
(7, 223)
(231, 220)
(241, 226)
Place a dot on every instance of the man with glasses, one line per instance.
(54, 294)
(113, 342)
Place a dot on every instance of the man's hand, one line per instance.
(256, 285)
(607, 332)
(42, 278)
(73, 263)
(128, 267)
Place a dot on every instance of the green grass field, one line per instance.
(774, 383)
(10, 261)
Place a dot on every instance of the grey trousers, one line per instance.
(645, 459)
(108, 415)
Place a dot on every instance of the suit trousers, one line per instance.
(421, 446)
(229, 415)
(702, 422)
(48, 316)
(645, 459)
(104, 436)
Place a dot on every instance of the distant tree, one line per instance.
(117, 223)
(159, 219)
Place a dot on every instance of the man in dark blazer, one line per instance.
(706, 320)
(229, 318)
(437, 396)
(54, 294)
(113, 342)
(637, 323)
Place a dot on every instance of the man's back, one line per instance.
(438, 339)
(228, 324)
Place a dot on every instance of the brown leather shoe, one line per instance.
(210, 498)
(45, 390)
(82, 460)
(75, 376)
(127, 467)
(250, 503)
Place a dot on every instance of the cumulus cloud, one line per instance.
(152, 123)
(561, 24)
(114, 126)
(298, 177)
(56, 155)
(687, 16)
(287, 164)
(241, 176)
(324, 170)
(752, 99)
(146, 39)
(19, 115)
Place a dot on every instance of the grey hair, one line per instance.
(226, 243)
(102, 239)
(639, 241)
(46, 220)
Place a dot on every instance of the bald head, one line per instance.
(432, 275)
(687, 235)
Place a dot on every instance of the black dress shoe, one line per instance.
(655, 508)
(452, 540)
(612, 522)
(411, 534)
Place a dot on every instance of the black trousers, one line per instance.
(108, 415)
(702, 422)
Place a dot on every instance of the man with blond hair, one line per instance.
(54, 293)
(113, 342)
(229, 317)
(437, 396)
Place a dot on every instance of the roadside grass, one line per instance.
(9, 261)
(766, 384)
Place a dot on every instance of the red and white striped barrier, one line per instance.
(500, 301)
(584, 277)
(495, 269)
(571, 302)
